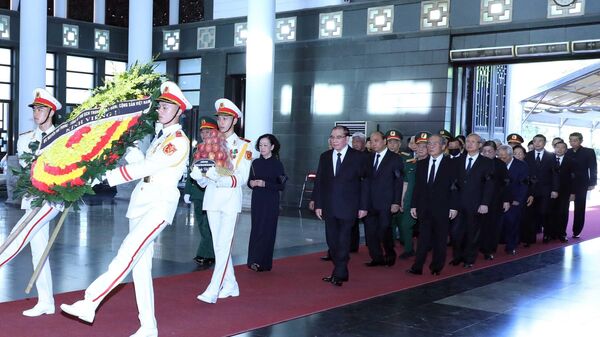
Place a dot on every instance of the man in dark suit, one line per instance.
(559, 207)
(475, 191)
(341, 194)
(386, 184)
(545, 185)
(359, 143)
(585, 178)
(433, 204)
(518, 174)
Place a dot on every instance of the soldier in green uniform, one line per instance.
(406, 221)
(205, 255)
(394, 141)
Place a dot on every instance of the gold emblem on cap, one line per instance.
(392, 133)
(514, 136)
(166, 89)
(221, 105)
(423, 135)
(37, 94)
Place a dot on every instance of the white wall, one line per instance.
(236, 8)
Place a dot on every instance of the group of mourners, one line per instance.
(446, 190)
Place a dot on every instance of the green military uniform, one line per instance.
(406, 222)
(205, 253)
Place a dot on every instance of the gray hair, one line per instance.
(360, 135)
(507, 148)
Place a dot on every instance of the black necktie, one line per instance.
(376, 162)
(43, 135)
(432, 173)
(338, 163)
(539, 158)
(558, 161)
(469, 165)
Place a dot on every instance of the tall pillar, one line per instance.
(173, 12)
(14, 5)
(32, 58)
(60, 8)
(259, 68)
(140, 31)
(100, 11)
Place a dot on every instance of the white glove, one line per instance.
(212, 174)
(186, 199)
(134, 155)
(196, 174)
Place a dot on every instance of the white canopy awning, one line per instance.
(571, 100)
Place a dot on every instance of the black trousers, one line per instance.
(579, 213)
(536, 214)
(337, 234)
(433, 235)
(378, 232)
(511, 223)
(491, 228)
(559, 216)
(465, 237)
(355, 236)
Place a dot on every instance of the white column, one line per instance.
(173, 12)
(60, 8)
(140, 31)
(32, 58)
(259, 68)
(100, 11)
(14, 5)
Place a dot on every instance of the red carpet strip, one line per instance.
(292, 289)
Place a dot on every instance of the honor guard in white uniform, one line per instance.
(36, 232)
(152, 207)
(223, 202)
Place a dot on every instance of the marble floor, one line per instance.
(550, 294)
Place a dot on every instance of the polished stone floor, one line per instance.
(551, 294)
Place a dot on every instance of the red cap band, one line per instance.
(172, 98)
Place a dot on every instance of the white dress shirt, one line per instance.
(334, 157)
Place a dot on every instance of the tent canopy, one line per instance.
(571, 100)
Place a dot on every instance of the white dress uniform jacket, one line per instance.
(226, 194)
(23, 147)
(160, 171)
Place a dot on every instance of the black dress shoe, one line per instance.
(527, 245)
(374, 263)
(390, 260)
(435, 272)
(511, 252)
(406, 255)
(256, 267)
(488, 257)
(454, 262)
(414, 271)
(327, 278)
(546, 239)
(325, 258)
(563, 239)
(468, 265)
(204, 261)
(337, 281)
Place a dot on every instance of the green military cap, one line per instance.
(422, 137)
(393, 134)
(461, 139)
(514, 138)
(208, 123)
(446, 134)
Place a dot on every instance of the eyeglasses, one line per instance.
(336, 137)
